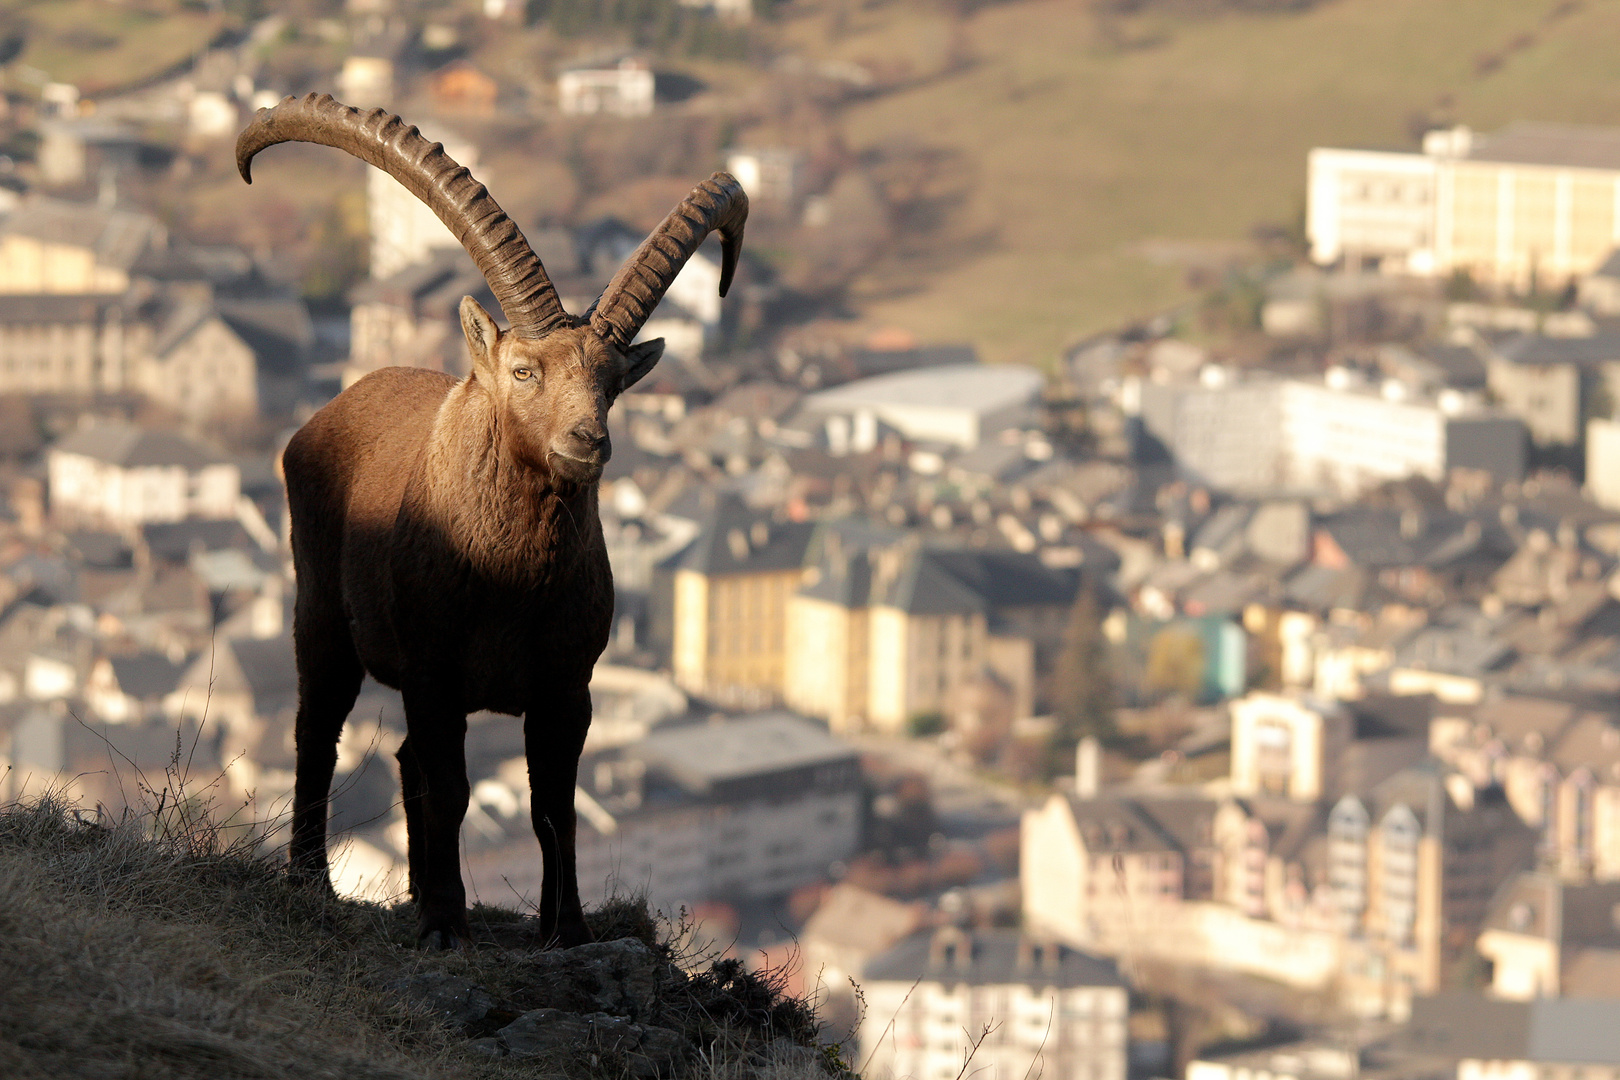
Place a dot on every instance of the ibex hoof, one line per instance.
(443, 934)
(441, 941)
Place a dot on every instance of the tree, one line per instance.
(1175, 663)
(1082, 686)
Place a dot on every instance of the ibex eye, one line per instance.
(521, 373)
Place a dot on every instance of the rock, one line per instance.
(627, 974)
(491, 1047)
(451, 999)
(620, 978)
(541, 1030)
(648, 1051)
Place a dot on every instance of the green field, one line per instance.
(1104, 156)
(101, 46)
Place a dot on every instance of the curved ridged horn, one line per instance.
(380, 138)
(717, 204)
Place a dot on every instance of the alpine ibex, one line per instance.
(445, 533)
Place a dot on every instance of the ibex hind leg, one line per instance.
(329, 676)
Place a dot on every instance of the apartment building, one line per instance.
(732, 587)
(1543, 938)
(1039, 1001)
(1340, 435)
(1341, 859)
(1559, 767)
(884, 629)
(62, 248)
(124, 477)
(1532, 204)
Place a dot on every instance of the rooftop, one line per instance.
(700, 756)
(1567, 145)
(134, 448)
(990, 957)
(979, 387)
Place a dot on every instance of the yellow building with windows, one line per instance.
(732, 588)
(884, 631)
(1534, 204)
(50, 246)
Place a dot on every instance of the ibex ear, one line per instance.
(481, 331)
(638, 360)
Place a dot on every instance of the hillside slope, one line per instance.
(1106, 153)
(124, 956)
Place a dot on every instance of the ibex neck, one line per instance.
(499, 509)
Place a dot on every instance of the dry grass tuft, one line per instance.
(134, 948)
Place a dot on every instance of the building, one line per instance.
(1549, 1039)
(1545, 939)
(734, 810)
(732, 587)
(124, 477)
(883, 630)
(1287, 746)
(1532, 205)
(959, 405)
(412, 318)
(67, 343)
(1340, 435)
(1364, 878)
(770, 175)
(1559, 767)
(852, 927)
(1369, 206)
(198, 365)
(1551, 382)
(51, 246)
(1039, 1002)
(1603, 462)
(624, 88)
(404, 229)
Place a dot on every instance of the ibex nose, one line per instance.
(593, 437)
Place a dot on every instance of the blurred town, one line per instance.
(1235, 696)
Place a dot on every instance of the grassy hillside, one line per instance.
(1106, 153)
(100, 46)
(129, 956)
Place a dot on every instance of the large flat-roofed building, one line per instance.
(1341, 434)
(752, 807)
(956, 404)
(1534, 203)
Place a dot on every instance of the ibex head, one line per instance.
(552, 375)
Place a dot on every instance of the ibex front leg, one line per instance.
(554, 736)
(436, 746)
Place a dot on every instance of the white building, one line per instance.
(768, 174)
(404, 231)
(1368, 203)
(1050, 1011)
(623, 89)
(956, 404)
(1339, 435)
(1603, 462)
(125, 477)
(1533, 203)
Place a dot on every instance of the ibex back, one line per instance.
(445, 532)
